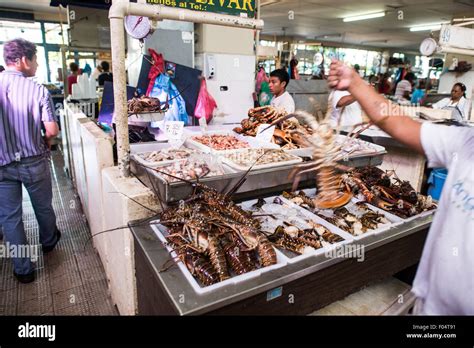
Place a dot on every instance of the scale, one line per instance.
(139, 27)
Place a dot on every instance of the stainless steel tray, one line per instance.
(258, 183)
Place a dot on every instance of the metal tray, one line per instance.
(263, 182)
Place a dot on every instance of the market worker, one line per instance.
(25, 107)
(345, 110)
(458, 103)
(405, 86)
(444, 283)
(106, 75)
(72, 79)
(279, 80)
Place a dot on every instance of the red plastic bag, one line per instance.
(261, 77)
(205, 103)
(157, 68)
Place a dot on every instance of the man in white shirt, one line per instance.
(279, 80)
(345, 110)
(444, 283)
(405, 86)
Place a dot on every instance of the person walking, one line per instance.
(26, 109)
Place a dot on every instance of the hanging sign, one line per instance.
(242, 8)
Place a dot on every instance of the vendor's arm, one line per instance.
(382, 112)
(344, 101)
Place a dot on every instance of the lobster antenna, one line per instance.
(242, 179)
(140, 204)
(117, 229)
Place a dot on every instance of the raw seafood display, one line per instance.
(215, 238)
(291, 231)
(250, 157)
(393, 195)
(145, 104)
(221, 142)
(167, 155)
(187, 170)
(356, 146)
(288, 133)
(355, 218)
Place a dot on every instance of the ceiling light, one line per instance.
(432, 26)
(362, 17)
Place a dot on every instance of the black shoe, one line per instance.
(25, 278)
(49, 248)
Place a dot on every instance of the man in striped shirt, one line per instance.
(26, 112)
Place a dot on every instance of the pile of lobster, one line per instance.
(288, 133)
(395, 196)
(215, 238)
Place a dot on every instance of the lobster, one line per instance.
(237, 260)
(195, 262)
(325, 155)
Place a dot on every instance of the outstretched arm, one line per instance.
(383, 113)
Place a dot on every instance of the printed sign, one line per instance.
(174, 130)
(242, 8)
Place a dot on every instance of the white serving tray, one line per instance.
(394, 220)
(234, 165)
(189, 142)
(161, 232)
(303, 214)
(146, 163)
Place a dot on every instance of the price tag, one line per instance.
(174, 130)
(265, 135)
(203, 125)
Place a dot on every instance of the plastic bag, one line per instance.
(166, 92)
(156, 70)
(205, 103)
(261, 78)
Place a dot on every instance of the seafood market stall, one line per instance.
(203, 253)
(293, 285)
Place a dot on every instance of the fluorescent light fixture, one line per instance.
(432, 26)
(362, 17)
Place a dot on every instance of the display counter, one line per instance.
(298, 288)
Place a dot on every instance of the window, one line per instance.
(54, 59)
(13, 30)
(54, 34)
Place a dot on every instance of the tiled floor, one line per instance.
(381, 298)
(70, 280)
